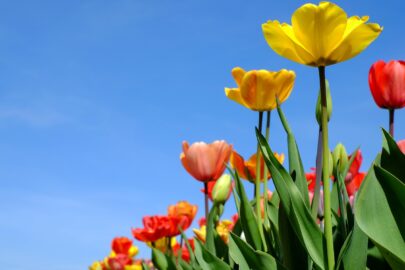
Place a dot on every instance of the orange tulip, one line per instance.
(185, 209)
(247, 169)
(205, 162)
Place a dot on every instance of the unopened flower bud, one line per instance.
(340, 158)
(221, 190)
(318, 110)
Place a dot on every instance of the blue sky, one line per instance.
(97, 96)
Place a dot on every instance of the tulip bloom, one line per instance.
(258, 89)
(156, 227)
(205, 162)
(247, 169)
(121, 245)
(183, 209)
(387, 84)
(320, 35)
(223, 228)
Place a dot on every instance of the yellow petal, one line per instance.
(285, 82)
(319, 28)
(234, 94)
(238, 74)
(358, 36)
(133, 251)
(280, 37)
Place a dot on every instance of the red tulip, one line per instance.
(155, 227)
(355, 167)
(354, 185)
(401, 145)
(205, 162)
(121, 245)
(387, 84)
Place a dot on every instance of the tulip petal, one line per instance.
(280, 37)
(234, 94)
(285, 83)
(358, 36)
(238, 164)
(238, 74)
(319, 28)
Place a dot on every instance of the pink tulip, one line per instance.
(205, 162)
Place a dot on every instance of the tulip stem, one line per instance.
(258, 177)
(325, 172)
(266, 170)
(391, 122)
(206, 201)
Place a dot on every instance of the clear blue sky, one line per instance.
(96, 97)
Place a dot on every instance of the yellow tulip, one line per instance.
(133, 267)
(96, 266)
(258, 89)
(320, 35)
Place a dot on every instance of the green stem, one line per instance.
(266, 170)
(257, 183)
(325, 172)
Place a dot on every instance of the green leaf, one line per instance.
(162, 261)
(185, 265)
(297, 211)
(392, 159)
(247, 258)
(209, 239)
(294, 255)
(353, 253)
(380, 213)
(207, 260)
(294, 159)
(246, 216)
(145, 266)
(193, 261)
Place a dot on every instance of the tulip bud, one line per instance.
(220, 192)
(340, 158)
(318, 110)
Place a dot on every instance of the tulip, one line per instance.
(96, 266)
(121, 245)
(247, 169)
(156, 227)
(320, 35)
(258, 89)
(222, 189)
(355, 166)
(340, 158)
(387, 85)
(205, 162)
(184, 209)
(401, 145)
(223, 228)
(353, 186)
